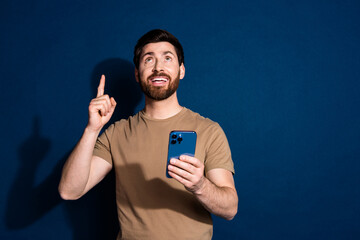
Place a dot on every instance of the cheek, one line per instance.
(172, 69)
(143, 73)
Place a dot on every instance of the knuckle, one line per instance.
(92, 106)
(182, 172)
(187, 175)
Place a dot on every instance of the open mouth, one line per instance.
(159, 79)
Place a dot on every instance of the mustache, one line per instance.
(159, 75)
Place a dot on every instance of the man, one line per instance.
(150, 205)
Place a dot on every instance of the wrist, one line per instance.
(201, 186)
(91, 131)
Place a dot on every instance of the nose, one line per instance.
(158, 66)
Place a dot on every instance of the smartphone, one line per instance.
(180, 143)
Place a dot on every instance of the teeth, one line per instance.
(159, 80)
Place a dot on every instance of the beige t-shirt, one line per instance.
(150, 205)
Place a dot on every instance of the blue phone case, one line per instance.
(181, 143)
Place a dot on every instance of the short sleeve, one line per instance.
(218, 154)
(102, 147)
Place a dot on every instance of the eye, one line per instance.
(168, 58)
(147, 60)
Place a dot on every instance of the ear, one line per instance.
(182, 71)
(136, 74)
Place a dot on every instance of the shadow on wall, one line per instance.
(94, 215)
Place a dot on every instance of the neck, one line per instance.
(162, 109)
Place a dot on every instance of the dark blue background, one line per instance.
(281, 78)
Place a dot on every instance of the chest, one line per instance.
(146, 149)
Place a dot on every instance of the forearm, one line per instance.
(215, 191)
(77, 168)
(221, 201)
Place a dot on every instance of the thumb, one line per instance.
(113, 104)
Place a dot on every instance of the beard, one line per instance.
(159, 93)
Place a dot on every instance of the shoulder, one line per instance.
(122, 125)
(194, 116)
(208, 130)
(204, 123)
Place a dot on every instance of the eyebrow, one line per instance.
(152, 53)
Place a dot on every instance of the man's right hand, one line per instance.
(101, 108)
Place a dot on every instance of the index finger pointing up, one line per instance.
(100, 90)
